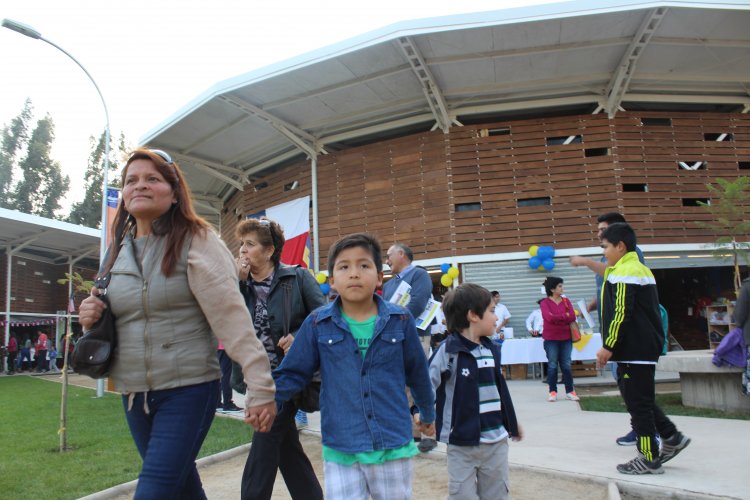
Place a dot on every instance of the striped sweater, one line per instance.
(472, 398)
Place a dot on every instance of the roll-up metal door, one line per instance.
(520, 287)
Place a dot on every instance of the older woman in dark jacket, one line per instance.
(279, 298)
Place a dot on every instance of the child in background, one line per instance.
(632, 335)
(474, 408)
(53, 359)
(367, 351)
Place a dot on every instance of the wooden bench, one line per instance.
(703, 384)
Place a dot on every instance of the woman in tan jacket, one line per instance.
(173, 291)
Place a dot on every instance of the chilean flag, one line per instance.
(294, 218)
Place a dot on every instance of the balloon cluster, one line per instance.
(449, 274)
(322, 280)
(541, 258)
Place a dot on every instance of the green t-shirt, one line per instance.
(362, 332)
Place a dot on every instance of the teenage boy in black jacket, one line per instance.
(632, 335)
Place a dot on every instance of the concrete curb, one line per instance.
(129, 487)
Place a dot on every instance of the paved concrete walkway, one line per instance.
(565, 442)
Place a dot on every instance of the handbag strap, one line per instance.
(287, 312)
(102, 280)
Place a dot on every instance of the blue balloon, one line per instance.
(548, 264)
(535, 262)
(545, 253)
(444, 267)
(325, 288)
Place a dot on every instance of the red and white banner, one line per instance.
(294, 218)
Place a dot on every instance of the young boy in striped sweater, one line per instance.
(475, 415)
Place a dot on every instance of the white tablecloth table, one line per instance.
(531, 350)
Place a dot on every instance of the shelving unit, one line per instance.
(719, 318)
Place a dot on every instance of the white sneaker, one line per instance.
(552, 397)
(572, 396)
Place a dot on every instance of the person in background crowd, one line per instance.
(41, 346)
(503, 317)
(399, 257)
(742, 317)
(535, 322)
(173, 292)
(12, 354)
(53, 358)
(558, 314)
(279, 298)
(225, 403)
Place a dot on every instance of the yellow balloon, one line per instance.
(533, 250)
(321, 278)
(540, 268)
(453, 272)
(446, 280)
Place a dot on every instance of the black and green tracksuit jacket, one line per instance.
(631, 321)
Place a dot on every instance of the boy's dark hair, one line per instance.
(611, 218)
(618, 232)
(363, 240)
(495, 293)
(551, 283)
(457, 304)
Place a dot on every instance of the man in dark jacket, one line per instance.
(632, 335)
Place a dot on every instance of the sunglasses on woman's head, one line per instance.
(163, 155)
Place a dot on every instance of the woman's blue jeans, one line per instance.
(558, 354)
(169, 437)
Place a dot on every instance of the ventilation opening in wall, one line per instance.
(719, 137)
(534, 202)
(260, 185)
(693, 202)
(498, 131)
(567, 139)
(656, 122)
(591, 152)
(467, 207)
(692, 165)
(635, 188)
(292, 185)
(743, 165)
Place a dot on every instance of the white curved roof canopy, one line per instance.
(590, 56)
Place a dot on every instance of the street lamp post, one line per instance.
(30, 32)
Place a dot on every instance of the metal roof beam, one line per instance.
(207, 207)
(213, 135)
(431, 90)
(253, 169)
(373, 129)
(208, 169)
(300, 138)
(212, 164)
(626, 68)
(689, 98)
(539, 103)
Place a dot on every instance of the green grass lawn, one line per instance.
(102, 455)
(670, 403)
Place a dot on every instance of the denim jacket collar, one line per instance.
(385, 310)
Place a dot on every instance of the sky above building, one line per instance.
(150, 58)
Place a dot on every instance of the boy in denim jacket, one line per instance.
(476, 415)
(367, 351)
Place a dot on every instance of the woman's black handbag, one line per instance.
(93, 353)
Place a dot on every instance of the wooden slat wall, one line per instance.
(407, 188)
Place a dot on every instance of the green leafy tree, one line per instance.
(43, 184)
(14, 139)
(730, 209)
(88, 212)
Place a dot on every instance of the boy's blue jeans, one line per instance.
(558, 354)
(169, 437)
